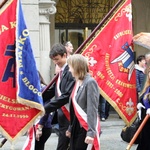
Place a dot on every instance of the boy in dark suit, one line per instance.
(61, 90)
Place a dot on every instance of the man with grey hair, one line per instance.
(69, 47)
(147, 58)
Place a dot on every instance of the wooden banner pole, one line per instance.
(3, 3)
(3, 142)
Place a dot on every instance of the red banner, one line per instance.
(15, 118)
(111, 62)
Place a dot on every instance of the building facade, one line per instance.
(53, 21)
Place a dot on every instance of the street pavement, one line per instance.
(110, 138)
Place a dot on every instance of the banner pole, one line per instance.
(3, 142)
(98, 26)
(3, 3)
(137, 132)
(51, 83)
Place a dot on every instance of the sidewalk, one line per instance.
(110, 138)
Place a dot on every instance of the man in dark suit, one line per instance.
(61, 90)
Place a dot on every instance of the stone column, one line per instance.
(141, 21)
(46, 8)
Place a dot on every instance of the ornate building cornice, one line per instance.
(47, 7)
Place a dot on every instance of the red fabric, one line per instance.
(30, 141)
(66, 112)
(111, 62)
(15, 118)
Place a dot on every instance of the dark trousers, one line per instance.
(144, 143)
(102, 105)
(63, 141)
(107, 108)
(78, 135)
(46, 132)
(78, 142)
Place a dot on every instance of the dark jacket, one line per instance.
(46, 120)
(66, 86)
(139, 79)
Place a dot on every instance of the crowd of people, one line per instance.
(78, 107)
(66, 99)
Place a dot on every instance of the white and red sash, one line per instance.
(30, 141)
(82, 117)
(64, 108)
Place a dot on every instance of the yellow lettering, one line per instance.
(12, 25)
(31, 87)
(25, 33)
(110, 84)
(7, 99)
(14, 115)
(100, 75)
(108, 69)
(3, 28)
(21, 40)
(126, 85)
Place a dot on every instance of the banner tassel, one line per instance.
(12, 147)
